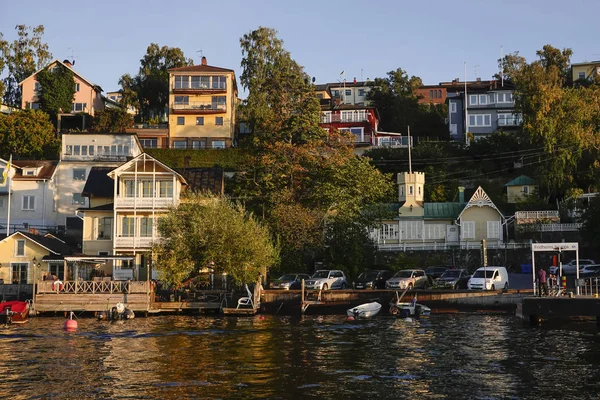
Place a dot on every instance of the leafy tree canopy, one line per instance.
(112, 120)
(57, 90)
(28, 134)
(148, 91)
(23, 57)
(208, 231)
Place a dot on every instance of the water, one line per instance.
(187, 357)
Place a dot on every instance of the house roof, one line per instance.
(200, 68)
(480, 199)
(48, 242)
(442, 210)
(522, 180)
(98, 183)
(56, 60)
(48, 168)
(146, 156)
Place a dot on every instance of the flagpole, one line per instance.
(9, 196)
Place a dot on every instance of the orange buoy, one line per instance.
(350, 318)
(70, 324)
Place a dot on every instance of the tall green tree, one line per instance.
(209, 231)
(28, 134)
(57, 90)
(113, 120)
(148, 91)
(22, 57)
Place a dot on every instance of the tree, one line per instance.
(23, 57)
(205, 230)
(57, 90)
(112, 120)
(28, 134)
(590, 230)
(148, 91)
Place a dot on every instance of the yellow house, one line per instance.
(25, 257)
(519, 188)
(202, 102)
(585, 70)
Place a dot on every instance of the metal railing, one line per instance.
(510, 121)
(589, 286)
(448, 246)
(558, 227)
(536, 214)
(91, 287)
(199, 106)
(200, 86)
(328, 119)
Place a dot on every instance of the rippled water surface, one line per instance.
(174, 357)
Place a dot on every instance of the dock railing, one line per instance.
(590, 286)
(91, 287)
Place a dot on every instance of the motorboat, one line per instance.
(364, 310)
(118, 312)
(409, 309)
(14, 312)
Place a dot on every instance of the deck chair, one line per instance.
(246, 301)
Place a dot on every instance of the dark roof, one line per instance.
(56, 245)
(522, 180)
(442, 210)
(200, 68)
(46, 172)
(98, 183)
(103, 207)
(200, 179)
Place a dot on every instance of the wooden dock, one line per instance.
(537, 309)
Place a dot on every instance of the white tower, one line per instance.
(411, 187)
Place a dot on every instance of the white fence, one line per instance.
(449, 246)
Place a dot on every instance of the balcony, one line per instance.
(198, 108)
(145, 202)
(510, 121)
(193, 87)
(400, 142)
(134, 241)
(530, 217)
(337, 118)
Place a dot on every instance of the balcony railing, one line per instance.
(199, 106)
(401, 142)
(137, 241)
(336, 118)
(145, 202)
(510, 121)
(537, 215)
(199, 86)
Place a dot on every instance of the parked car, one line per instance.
(372, 279)
(452, 279)
(291, 281)
(591, 270)
(570, 267)
(408, 278)
(327, 279)
(436, 272)
(489, 278)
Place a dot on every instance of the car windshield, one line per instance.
(403, 274)
(451, 274)
(287, 277)
(368, 276)
(479, 273)
(321, 274)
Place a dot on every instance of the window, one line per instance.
(348, 92)
(29, 172)
(20, 248)
(57, 270)
(146, 226)
(197, 144)
(434, 231)
(493, 229)
(358, 134)
(78, 199)
(28, 203)
(180, 120)
(335, 93)
(182, 100)
(388, 231)
(147, 189)
(84, 150)
(468, 229)
(165, 189)
(103, 253)
(453, 129)
(483, 99)
(218, 82)
(37, 87)
(581, 75)
(182, 82)
(219, 121)
(480, 120)
(127, 227)
(129, 188)
(525, 190)
(79, 107)
(199, 120)
(105, 227)
(473, 100)
(361, 92)
(452, 106)
(219, 102)
(179, 144)
(77, 150)
(411, 229)
(505, 97)
(76, 87)
(19, 272)
(410, 189)
(149, 143)
(218, 144)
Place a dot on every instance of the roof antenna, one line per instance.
(409, 156)
(72, 56)
(200, 51)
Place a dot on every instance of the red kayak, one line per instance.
(15, 312)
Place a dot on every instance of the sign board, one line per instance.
(579, 282)
(122, 274)
(555, 246)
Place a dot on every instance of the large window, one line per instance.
(388, 232)
(147, 189)
(19, 272)
(20, 248)
(468, 229)
(78, 199)
(129, 188)
(182, 82)
(411, 229)
(105, 227)
(219, 102)
(473, 100)
(28, 203)
(149, 143)
(146, 226)
(219, 82)
(435, 231)
(180, 144)
(504, 97)
(483, 99)
(479, 120)
(79, 174)
(182, 100)
(165, 189)
(218, 144)
(493, 229)
(128, 226)
(79, 107)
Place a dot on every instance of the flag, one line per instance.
(6, 171)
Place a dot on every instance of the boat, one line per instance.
(118, 312)
(14, 312)
(409, 310)
(364, 310)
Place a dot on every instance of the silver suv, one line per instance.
(327, 279)
(408, 279)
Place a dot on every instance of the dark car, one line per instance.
(436, 272)
(452, 279)
(372, 280)
(291, 281)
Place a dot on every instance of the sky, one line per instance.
(432, 39)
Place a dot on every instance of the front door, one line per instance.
(19, 273)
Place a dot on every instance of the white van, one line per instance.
(496, 278)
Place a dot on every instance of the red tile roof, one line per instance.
(200, 68)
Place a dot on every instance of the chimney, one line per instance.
(461, 195)
(478, 79)
(355, 80)
(203, 60)
(68, 63)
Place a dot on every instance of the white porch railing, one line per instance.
(145, 202)
(448, 246)
(536, 214)
(558, 227)
(129, 241)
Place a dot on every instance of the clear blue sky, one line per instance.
(428, 38)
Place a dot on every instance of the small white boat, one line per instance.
(364, 310)
(412, 309)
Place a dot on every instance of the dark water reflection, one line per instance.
(171, 357)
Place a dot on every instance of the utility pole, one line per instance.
(466, 109)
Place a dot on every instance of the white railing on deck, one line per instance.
(92, 287)
(139, 241)
(144, 202)
(536, 214)
(558, 227)
(448, 246)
